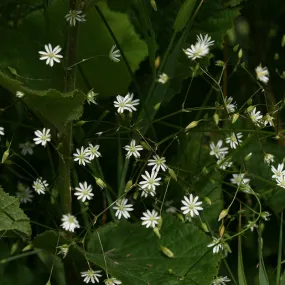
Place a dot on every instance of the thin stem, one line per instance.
(103, 255)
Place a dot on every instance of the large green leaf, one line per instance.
(12, 218)
(134, 256)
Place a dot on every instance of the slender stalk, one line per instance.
(66, 134)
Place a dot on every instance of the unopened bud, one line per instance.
(28, 247)
(153, 5)
(63, 249)
(235, 49)
(283, 41)
(160, 221)
(5, 155)
(167, 251)
(192, 125)
(136, 195)
(204, 227)
(100, 182)
(172, 174)
(208, 201)
(180, 217)
(223, 214)
(129, 185)
(249, 101)
(250, 108)
(240, 53)
(216, 118)
(80, 123)
(157, 106)
(157, 233)
(221, 230)
(145, 145)
(276, 56)
(235, 117)
(14, 248)
(220, 63)
(157, 62)
(205, 170)
(248, 157)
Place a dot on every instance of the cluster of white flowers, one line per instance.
(201, 48)
(279, 174)
(124, 103)
(259, 120)
(86, 155)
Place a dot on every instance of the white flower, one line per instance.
(262, 74)
(251, 225)
(114, 54)
(268, 158)
(82, 156)
(63, 249)
(239, 179)
(2, 131)
(126, 103)
(84, 191)
(265, 216)
(42, 137)
(224, 163)
(91, 275)
(91, 97)
(200, 49)
(150, 218)
(133, 149)
(20, 94)
(221, 280)
(93, 151)
(216, 244)
(150, 181)
(51, 55)
(234, 140)
(163, 78)
(73, 16)
(69, 222)
(27, 148)
(191, 205)
(24, 193)
(123, 208)
(158, 162)
(279, 172)
(217, 150)
(40, 185)
(281, 181)
(267, 119)
(231, 107)
(256, 117)
(112, 281)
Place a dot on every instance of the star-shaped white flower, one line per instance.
(75, 16)
(279, 172)
(150, 181)
(221, 280)
(91, 95)
(24, 193)
(150, 218)
(112, 281)
(51, 55)
(82, 156)
(84, 192)
(2, 131)
(201, 48)
(123, 209)
(262, 74)
(268, 120)
(158, 163)
(224, 163)
(40, 185)
(251, 225)
(42, 137)
(126, 103)
(93, 151)
(268, 158)
(162, 78)
(216, 244)
(231, 107)
(20, 94)
(281, 181)
(191, 205)
(255, 117)
(133, 149)
(217, 150)
(234, 140)
(114, 54)
(265, 216)
(69, 222)
(27, 148)
(91, 276)
(239, 179)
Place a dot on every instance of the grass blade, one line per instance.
(278, 274)
(263, 279)
(241, 275)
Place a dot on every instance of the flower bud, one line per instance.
(236, 47)
(283, 41)
(145, 145)
(129, 185)
(276, 56)
(167, 251)
(208, 201)
(240, 53)
(220, 63)
(248, 157)
(192, 125)
(223, 214)
(235, 117)
(204, 227)
(63, 249)
(250, 108)
(249, 101)
(172, 174)
(153, 5)
(156, 231)
(5, 155)
(221, 231)
(216, 118)
(157, 106)
(100, 182)
(136, 195)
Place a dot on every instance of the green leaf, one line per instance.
(184, 15)
(12, 217)
(241, 274)
(263, 278)
(278, 271)
(135, 255)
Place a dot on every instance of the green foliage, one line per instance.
(12, 219)
(135, 257)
